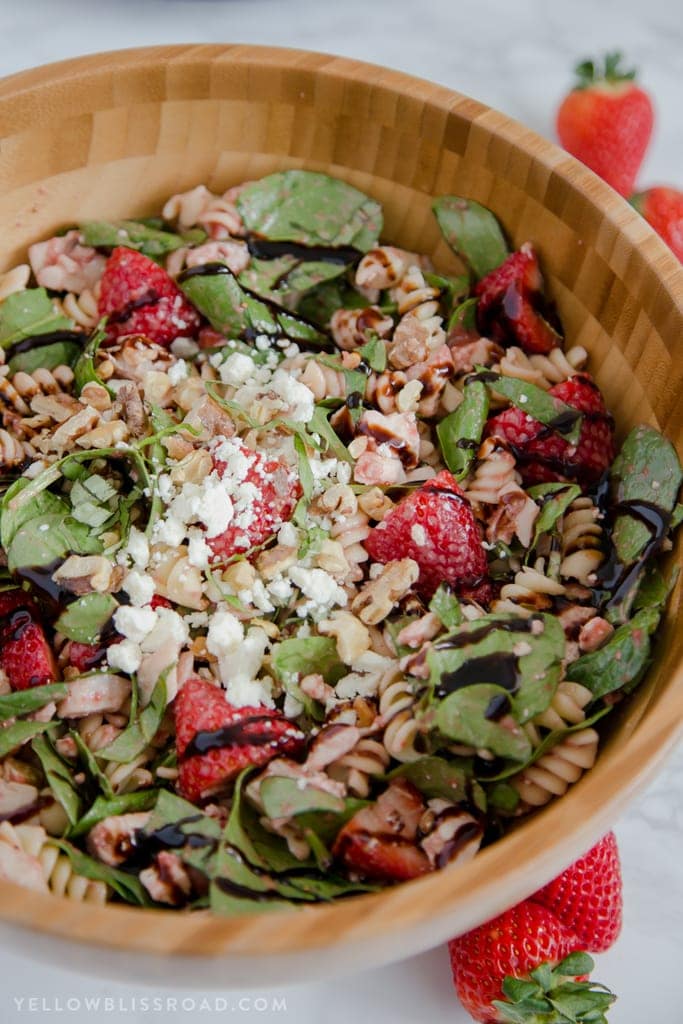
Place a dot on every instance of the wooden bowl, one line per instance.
(113, 135)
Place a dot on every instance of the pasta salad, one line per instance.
(319, 566)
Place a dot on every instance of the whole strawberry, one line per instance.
(527, 953)
(138, 297)
(606, 122)
(435, 526)
(543, 455)
(662, 208)
(216, 740)
(587, 897)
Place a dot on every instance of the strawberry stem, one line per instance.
(552, 995)
(591, 72)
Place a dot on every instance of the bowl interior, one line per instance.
(115, 134)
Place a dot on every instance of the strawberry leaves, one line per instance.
(549, 996)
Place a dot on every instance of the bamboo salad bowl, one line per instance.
(113, 135)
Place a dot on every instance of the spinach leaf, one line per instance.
(84, 368)
(320, 424)
(283, 798)
(310, 208)
(28, 313)
(85, 618)
(436, 777)
(287, 278)
(472, 231)
(132, 234)
(301, 656)
(460, 432)
(646, 469)
(238, 313)
(95, 773)
(13, 736)
(23, 702)
(305, 472)
(494, 646)
(45, 539)
(59, 778)
(555, 499)
(446, 607)
(104, 807)
(140, 733)
(59, 353)
(322, 302)
(462, 716)
(564, 419)
(622, 662)
(374, 353)
(128, 887)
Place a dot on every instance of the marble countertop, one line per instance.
(517, 57)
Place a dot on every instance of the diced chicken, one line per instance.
(113, 840)
(97, 693)
(63, 264)
(15, 798)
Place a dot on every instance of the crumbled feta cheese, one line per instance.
(178, 371)
(139, 588)
(170, 632)
(225, 633)
(135, 623)
(299, 399)
(125, 656)
(199, 552)
(319, 586)
(288, 535)
(293, 707)
(196, 620)
(217, 509)
(237, 369)
(138, 548)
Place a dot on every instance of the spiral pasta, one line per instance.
(531, 590)
(350, 526)
(56, 868)
(494, 471)
(80, 307)
(368, 758)
(14, 280)
(582, 553)
(396, 708)
(553, 773)
(198, 207)
(543, 370)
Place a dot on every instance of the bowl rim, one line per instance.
(464, 892)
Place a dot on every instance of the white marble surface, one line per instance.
(515, 56)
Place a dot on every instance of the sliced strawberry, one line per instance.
(138, 297)
(85, 657)
(379, 841)
(587, 897)
(25, 654)
(159, 602)
(216, 740)
(543, 454)
(511, 308)
(435, 526)
(510, 945)
(263, 491)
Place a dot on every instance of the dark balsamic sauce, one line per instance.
(43, 340)
(237, 734)
(266, 249)
(464, 639)
(149, 298)
(616, 580)
(445, 492)
(497, 707)
(501, 668)
(47, 589)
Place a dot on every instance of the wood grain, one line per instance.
(115, 134)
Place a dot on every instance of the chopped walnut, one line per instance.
(275, 560)
(83, 574)
(377, 598)
(353, 638)
(167, 880)
(113, 840)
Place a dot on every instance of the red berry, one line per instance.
(512, 944)
(379, 840)
(587, 897)
(264, 494)
(243, 736)
(511, 304)
(435, 526)
(139, 297)
(25, 654)
(543, 454)
(606, 122)
(85, 657)
(159, 602)
(662, 208)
